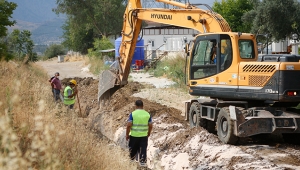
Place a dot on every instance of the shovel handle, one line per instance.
(78, 103)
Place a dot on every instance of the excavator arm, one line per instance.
(204, 21)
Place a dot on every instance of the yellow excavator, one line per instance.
(249, 94)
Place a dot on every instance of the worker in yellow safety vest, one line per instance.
(70, 93)
(139, 127)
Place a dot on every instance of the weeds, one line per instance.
(32, 136)
(96, 64)
(173, 68)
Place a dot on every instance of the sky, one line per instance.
(208, 2)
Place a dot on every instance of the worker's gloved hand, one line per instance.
(127, 137)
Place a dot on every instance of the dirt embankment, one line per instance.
(173, 144)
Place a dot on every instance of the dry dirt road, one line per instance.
(66, 69)
(173, 145)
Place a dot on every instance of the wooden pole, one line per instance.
(79, 104)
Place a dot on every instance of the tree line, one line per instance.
(278, 19)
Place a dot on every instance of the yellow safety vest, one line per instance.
(67, 100)
(140, 123)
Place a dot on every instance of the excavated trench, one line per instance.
(173, 144)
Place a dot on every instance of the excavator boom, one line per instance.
(204, 21)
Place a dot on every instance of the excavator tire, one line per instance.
(225, 127)
(195, 116)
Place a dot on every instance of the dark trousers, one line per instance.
(138, 146)
(56, 93)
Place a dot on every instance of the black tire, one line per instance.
(225, 127)
(194, 114)
(292, 138)
(195, 117)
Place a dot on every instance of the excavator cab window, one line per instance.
(210, 56)
(203, 58)
(246, 48)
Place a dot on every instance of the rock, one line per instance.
(119, 118)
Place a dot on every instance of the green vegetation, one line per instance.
(232, 11)
(277, 18)
(173, 68)
(100, 44)
(88, 20)
(96, 58)
(20, 44)
(54, 50)
(6, 11)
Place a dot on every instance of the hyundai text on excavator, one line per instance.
(248, 94)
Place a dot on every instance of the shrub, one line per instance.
(173, 68)
(95, 56)
(54, 50)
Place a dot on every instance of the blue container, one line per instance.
(139, 52)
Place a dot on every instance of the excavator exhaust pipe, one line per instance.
(108, 85)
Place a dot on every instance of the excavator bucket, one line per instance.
(107, 86)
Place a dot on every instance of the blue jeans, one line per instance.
(56, 93)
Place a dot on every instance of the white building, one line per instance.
(160, 40)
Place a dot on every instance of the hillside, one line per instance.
(37, 16)
(35, 11)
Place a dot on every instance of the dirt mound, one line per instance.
(87, 93)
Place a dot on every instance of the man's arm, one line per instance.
(75, 91)
(150, 126)
(129, 125)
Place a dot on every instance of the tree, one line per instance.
(277, 18)
(100, 44)
(54, 50)
(20, 43)
(232, 11)
(90, 19)
(6, 10)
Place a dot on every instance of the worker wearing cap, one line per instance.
(70, 94)
(138, 130)
(56, 86)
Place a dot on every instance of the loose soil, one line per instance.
(173, 145)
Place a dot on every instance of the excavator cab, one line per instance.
(211, 54)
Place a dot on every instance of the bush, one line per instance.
(54, 50)
(100, 44)
(173, 68)
(95, 56)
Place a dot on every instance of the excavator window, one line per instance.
(210, 56)
(204, 55)
(246, 48)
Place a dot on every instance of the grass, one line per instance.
(96, 64)
(36, 133)
(173, 68)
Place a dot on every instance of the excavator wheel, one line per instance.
(225, 127)
(195, 116)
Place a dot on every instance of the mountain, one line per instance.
(36, 11)
(37, 16)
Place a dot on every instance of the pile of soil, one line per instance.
(87, 93)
